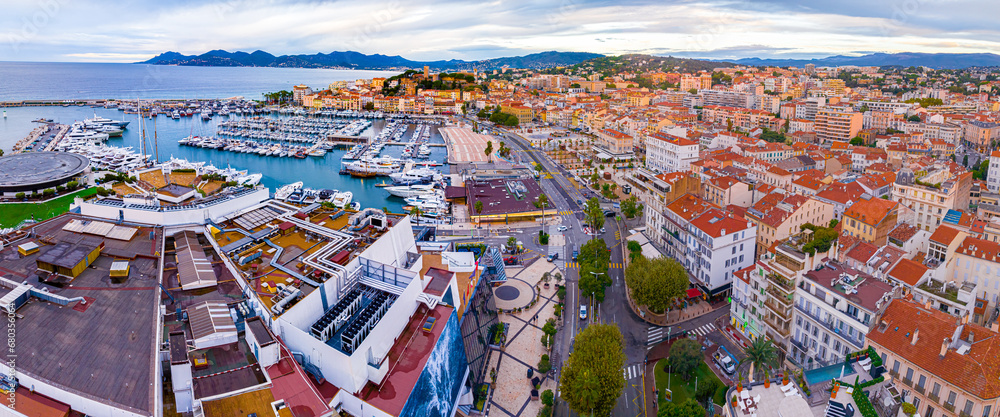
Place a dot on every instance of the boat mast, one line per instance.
(156, 146)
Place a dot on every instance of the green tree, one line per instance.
(544, 364)
(592, 379)
(914, 118)
(512, 244)
(594, 214)
(693, 91)
(19, 196)
(49, 192)
(594, 258)
(857, 141)
(631, 207)
(541, 203)
(489, 150)
(634, 249)
(685, 356)
(72, 185)
(761, 354)
(548, 397)
(686, 408)
(706, 390)
(479, 207)
(655, 283)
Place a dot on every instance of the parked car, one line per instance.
(562, 228)
(609, 213)
(575, 254)
(603, 230)
(510, 260)
(553, 256)
(583, 312)
(725, 361)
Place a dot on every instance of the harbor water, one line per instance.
(314, 172)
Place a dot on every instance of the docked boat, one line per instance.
(416, 190)
(371, 167)
(285, 191)
(318, 152)
(356, 206)
(343, 199)
(415, 176)
(98, 120)
(252, 179)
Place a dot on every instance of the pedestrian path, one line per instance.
(631, 372)
(571, 264)
(658, 334)
(704, 330)
(566, 213)
(614, 265)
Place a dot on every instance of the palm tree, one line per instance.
(542, 202)
(416, 212)
(488, 150)
(761, 353)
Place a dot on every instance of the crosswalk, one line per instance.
(631, 372)
(656, 335)
(618, 235)
(566, 213)
(616, 265)
(572, 264)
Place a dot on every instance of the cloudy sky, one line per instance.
(134, 30)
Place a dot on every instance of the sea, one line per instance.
(94, 81)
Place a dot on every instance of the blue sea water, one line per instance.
(59, 81)
(50, 81)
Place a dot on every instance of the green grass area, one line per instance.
(13, 214)
(682, 389)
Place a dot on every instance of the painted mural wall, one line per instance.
(437, 390)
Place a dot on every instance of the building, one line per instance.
(615, 143)
(993, 175)
(717, 245)
(835, 307)
(947, 361)
(944, 187)
(656, 191)
(697, 82)
(503, 200)
(34, 172)
(668, 153)
(299, 92)
(726, 191)
(981, 135)
(834, 124)
(779, 216)
(870, 219)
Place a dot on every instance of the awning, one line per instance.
(693, 293)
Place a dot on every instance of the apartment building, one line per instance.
(835, 307)
(870, 219)
(712, 244)
(779, 216)
(697, 82)
(726, 99)
(725, 191)
(930, 196)
(669, 153)
(993, 175)
(837, 124)
(656, 191)
(981, 135)
(615, 142)
(744, 119)
(950, 364)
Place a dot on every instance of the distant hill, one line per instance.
(357, 60)
(903, 59)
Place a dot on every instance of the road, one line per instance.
(639, 337)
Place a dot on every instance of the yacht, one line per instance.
(98, 120)
(416, 190)
(287, 190)
(343, 199)
(252, 179)
(371, 167)
(415, 176)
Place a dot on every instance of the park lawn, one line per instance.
(682, 389)
(13, 214)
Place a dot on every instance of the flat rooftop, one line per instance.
(504, 196)
(868, 292)
(466, 146)
(105, 349)
(35, 168)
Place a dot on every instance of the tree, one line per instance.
(548, 397)
(594, 258)
(914, 118)
(19, 196)
(594, 214)
(655, 283)
(857, 141)
(371, 106)
(416, 212)
(693, 91)
(512, 244)
(49, 192)
(631, 207)
(479, 207)
(489, 150)
(965, 160)
(761, 354)
(542, 202)
(687, 408)
(706, 390)
(72, 185)
(544, 365)
(592, 379)
(685, 356)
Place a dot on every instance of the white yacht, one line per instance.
(416, 190)
(343, 199)
(415, 176)
(287, 190)
(252, 179)
(98, 120)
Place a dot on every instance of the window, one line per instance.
(968, 407)
(909, 374)
(986, 410)
(895, 367)
(922, 381)
(952, 396)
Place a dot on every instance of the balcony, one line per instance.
(829, 325)
(919, 389)
(934, 397)
(778, 327)
(781, 282)
(949, 407)
(908, 382)
(781, 298)
(964, 414)
(895, 374)
(780, 310)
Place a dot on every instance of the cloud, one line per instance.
(49, 30)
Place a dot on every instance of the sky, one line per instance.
(136, 30)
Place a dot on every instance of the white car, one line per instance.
(583, 312)
(562, 228)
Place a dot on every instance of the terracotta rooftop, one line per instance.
(977, 371)
(908, 271)
(903, 232)
(979, 248)
(944, 235)
(863, 252)
(870, 211)
(717, 223)
(689, 206)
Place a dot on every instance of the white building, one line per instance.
(717, 245)
(668, 153)
(993, 175)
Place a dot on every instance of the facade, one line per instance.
(871, 219)
(717, 245)
(615, 142)
(726, 191)
(835, 124)
(932, 195)
(668, 153)
(947, 361)
(779, 216)
(656, 191)
(834, 309)
(993, 175)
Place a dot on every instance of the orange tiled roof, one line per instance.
(715, 221)
(976, 372)
(944, 235)
(870, 211)
(908, 271)
(688, 206)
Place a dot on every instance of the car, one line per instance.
(575, 254)
(562, 228)
(510, 260)
(725, 361)
(603, 230)
(609, 213)
(553, 256)
(583, 312)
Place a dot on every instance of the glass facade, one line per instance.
(477, 322)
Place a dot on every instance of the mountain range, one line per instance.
(357, 60)
(902, 59)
